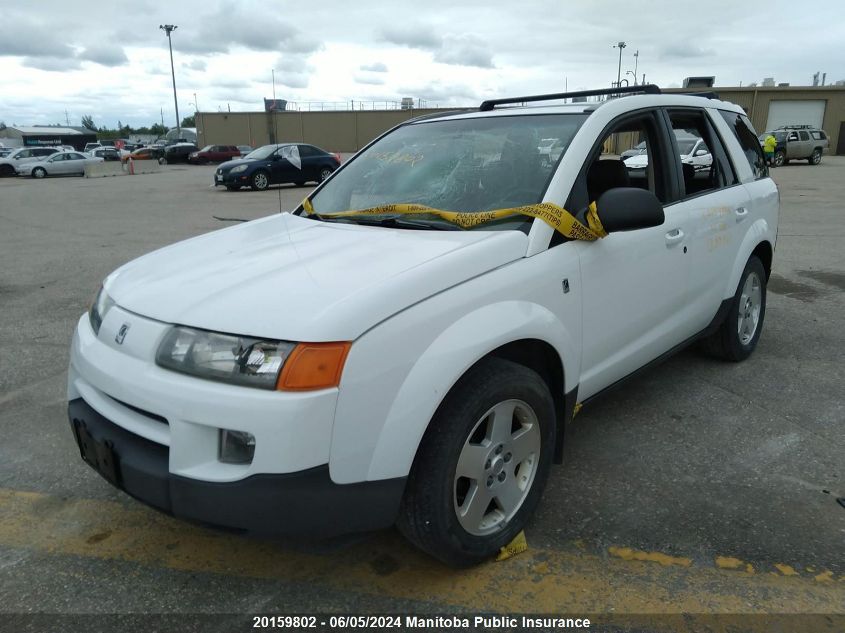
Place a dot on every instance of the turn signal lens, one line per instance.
(313, 366)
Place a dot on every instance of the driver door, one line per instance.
(633, 282)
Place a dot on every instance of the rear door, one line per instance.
(717, 206)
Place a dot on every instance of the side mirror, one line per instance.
(701, 152)
(628, 209)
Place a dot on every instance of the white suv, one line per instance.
(409, 345)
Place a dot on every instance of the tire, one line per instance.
(780, 158)
(260, 181)
(815, 157)
(6, 170)
(300, 183)
(325, 172)
(162, 161)
(431, 514)
(39, 172)
(231, 188)
(737, 337)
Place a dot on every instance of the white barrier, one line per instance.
(104, 169)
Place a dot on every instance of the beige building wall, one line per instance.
(349, 131)
(344, 131)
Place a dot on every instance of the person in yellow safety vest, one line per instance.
(769, 145)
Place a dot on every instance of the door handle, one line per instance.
(741, 212)
(674, 237)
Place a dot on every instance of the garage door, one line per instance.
(795, 113)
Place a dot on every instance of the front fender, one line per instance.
(383, 415)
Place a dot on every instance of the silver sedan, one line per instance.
(59, 164)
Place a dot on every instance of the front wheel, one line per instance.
(780, 158)
(815, 157)
(482, 465)
(7, 170)
(260, 181)
(39, 172)
(737, 337)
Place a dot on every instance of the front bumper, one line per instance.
(301, 503)
(228, 179)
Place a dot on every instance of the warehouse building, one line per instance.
(47, 135)
(348, 131)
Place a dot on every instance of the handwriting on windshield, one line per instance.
(398, 157)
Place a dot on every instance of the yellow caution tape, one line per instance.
(577, 408)
(557, 217)
(518, 545)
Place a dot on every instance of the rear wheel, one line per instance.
(815, 157)
(260, 181)
(39, 172)
(737, 337)
(7, 170)
(325, 172)
(482, 465)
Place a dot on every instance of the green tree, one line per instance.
(189, 121)
(88, 122)
(158, 129)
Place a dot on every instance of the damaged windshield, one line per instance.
(463, 165)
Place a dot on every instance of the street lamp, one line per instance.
(168, 29)
(636, 61)
(620, 46)
(633, 74)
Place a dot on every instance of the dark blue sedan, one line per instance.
(274, 164)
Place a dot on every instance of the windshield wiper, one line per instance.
(393, 222)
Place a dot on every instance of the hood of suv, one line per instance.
(288, 277)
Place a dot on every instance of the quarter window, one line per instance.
(744, 133)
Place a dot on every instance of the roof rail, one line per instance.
(627, 90)
(707, 94)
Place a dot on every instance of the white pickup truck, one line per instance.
(409, 345)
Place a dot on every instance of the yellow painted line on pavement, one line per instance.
(540, 580)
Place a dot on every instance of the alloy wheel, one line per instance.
(750, 302)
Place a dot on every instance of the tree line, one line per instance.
(127, 131)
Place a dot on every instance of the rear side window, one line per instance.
(804, 136)
(744, 132)
(702, 158)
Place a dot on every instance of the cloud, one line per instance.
(196, 64)
(369, 80)
(293, 71)
(292, 80)
(104, 55)
(423, 37)
(377, 67)
(685, 51)
(52, 64)
(231, 84)
(442, 94)
(464, 50)
(26, 38)
(230, 29)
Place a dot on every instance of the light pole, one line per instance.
(620, 46)
(633, 74)
(168, 29)
(196, 105)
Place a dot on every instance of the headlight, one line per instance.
(238, 360)
(102, 304)
(239, 169)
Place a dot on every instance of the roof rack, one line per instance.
(796, 127)
(707, 94)
(627, 90)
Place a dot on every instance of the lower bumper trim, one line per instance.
(303, 503)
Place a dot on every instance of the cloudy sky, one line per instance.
(110, 60)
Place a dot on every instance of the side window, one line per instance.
(744, 132)
(793, 136)
(804, 136)
(27, 153)
(306, 151)
(702, 158)
(629, 154)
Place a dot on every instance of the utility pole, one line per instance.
(168, 29)
(620, 46)
(636, 61)
(67, 118)
(196, 105)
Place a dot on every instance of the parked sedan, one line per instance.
(106, 153)
(59, 164)
(145, 153)
(272, 164)
(22, 155)
(214, 154)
